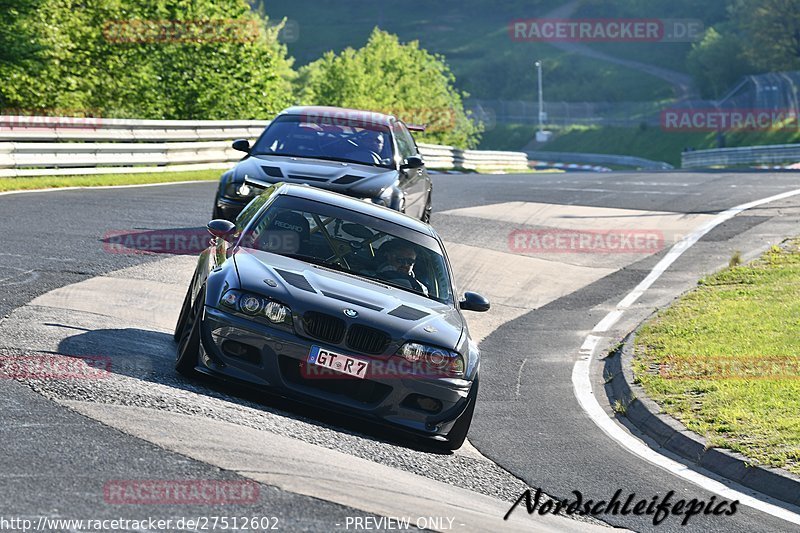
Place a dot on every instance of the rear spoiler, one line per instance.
(416, 127)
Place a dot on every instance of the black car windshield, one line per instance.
(352, 242)
(314, 136)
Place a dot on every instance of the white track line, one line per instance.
(582, 385)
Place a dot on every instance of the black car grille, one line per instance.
(367, 340)
(324, 327)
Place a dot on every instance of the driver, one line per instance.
(374, 143)
(370, 149)
(399, 259)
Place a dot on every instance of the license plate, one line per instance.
(338, 362)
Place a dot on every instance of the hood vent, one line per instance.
(347, 179)
(275, 172)
(306, 178)
(296, 280)
(408, 313)
(352, 301)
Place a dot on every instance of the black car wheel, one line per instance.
(182, 317)
(189, 343)
(426, 215)
(457, 435)
(216, 212)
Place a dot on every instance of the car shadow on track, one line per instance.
(149, 356)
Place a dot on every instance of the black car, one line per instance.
(336, 302)
(370, 156)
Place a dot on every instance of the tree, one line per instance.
(163, 59)
(390, 77)
(718, 61)
(773, 32)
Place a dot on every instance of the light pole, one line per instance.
(541, 110)
(541, 135)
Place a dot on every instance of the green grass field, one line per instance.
(725, 358)
(652, 142)
(48, 182)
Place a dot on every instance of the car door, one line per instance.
(414, 182)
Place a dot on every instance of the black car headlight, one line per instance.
(438, 361)
(239, 190)
(257, 306)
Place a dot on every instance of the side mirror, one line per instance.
(222, 229)
(412, 163)
(242, 145)
(474, 302)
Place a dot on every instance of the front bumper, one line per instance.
(230, 208)
(237, 348)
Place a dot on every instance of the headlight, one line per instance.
(236, 189)
(257, 306)
(439, 361)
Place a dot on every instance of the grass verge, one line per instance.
(654, 143)
(725, 358)
(50, 182)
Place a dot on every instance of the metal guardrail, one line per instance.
(50, 146)
(603, 159)
(447, 157)
(768, 154)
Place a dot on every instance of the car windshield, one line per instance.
(318, 137)
(353, 243)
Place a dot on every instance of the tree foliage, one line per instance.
(718, 61)
(390, 77)
(115, 58)
(772, 29)
(757, 36)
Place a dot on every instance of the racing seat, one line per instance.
(288, 233)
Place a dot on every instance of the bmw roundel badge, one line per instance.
(351, 313)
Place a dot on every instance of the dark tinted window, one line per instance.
(352, 242)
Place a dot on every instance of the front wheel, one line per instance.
(426, 214)
(216, 212)
(189, 344)
(457, 435)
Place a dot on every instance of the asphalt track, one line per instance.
(528, 420)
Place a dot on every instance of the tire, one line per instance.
(457, 435)
(176, 336)
(188, 349)
(216, 212)
(426, 215)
